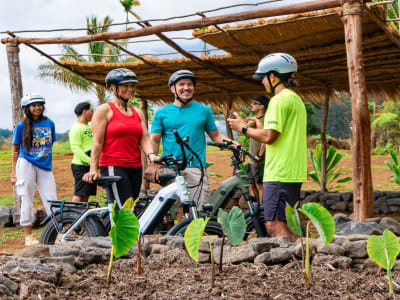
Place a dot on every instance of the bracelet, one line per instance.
(148, 154)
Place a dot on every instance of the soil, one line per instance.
(178, 277)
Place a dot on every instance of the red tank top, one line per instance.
(121, 140)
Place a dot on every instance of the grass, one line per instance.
(7, 201)
(61, 148)
(12, 235)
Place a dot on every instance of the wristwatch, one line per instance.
(244, 129)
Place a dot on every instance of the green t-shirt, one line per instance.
(81, 140)
(286, 158)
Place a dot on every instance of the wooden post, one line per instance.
(323, 141)
(361, 132)
(229, 132)
(14, 71)
(143, 108)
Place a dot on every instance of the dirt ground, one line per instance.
(177, 277)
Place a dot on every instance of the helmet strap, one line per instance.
(125, 101)
(273, 87)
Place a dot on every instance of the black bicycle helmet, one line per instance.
(120, 76)
(178, 75)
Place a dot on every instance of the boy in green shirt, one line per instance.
(284, 133)
(81, 140)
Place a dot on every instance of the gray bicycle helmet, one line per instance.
(180, 75)
(32, 98)
(120, 76)
(281, 63)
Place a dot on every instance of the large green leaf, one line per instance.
(314, 176)
(315, 162)
(193, 235)
(293, 219)
(330, 155)
(233, 224)
(376, 247)
(393, 154)
(124, 232)
(322, 220)
(335, 161)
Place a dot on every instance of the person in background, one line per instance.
(32, 144)
(285, 136)
(81, 140)
(119, 133)
(255, 170)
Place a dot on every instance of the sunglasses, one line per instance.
(257, 103)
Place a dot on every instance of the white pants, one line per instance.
(27, 175)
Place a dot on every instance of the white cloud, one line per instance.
(52, 14)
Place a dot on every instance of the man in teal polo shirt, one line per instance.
(284, 133)
(189, 118)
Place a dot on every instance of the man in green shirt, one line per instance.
(284, 133)
(81, 140)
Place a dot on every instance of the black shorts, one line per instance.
(275, 196)
(128, 187)
(82, 188)
(254, 173)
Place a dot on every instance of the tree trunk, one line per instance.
(323, 141)
(361, 131)
(229, 132)
(14, 71)
(143, 107)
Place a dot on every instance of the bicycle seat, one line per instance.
(164, 179)
(107, 180)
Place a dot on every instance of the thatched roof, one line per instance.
(315, 39)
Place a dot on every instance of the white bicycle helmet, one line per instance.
(32, 98)
(281, 63)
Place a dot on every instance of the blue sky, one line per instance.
(53, 14)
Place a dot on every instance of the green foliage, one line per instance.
(233, 224)
(332, 159)
(124, 232)
(61, 148)
(193, 235)
(394, 167)
(313, 124)
(384, 251)
(339, 118)
(210, 173)
(322, 220)
(7, 201)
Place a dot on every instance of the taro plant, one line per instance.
(394, 167)
(383, 251)
(233, 226)
(193, 235)
(322, 220)
(124, 232)
(332, 175)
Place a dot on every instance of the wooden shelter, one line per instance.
(340, 45)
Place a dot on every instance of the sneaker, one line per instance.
(30, 240)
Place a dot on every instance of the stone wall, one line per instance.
(384, 202)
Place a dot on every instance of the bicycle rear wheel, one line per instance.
(212, 228)
(90, 227)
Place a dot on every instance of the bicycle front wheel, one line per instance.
(90, 227)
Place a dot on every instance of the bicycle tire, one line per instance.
(90, 227)
(212, 228)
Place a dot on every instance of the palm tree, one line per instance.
(51, 71)
(127, 4)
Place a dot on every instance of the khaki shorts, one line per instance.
(200, 194)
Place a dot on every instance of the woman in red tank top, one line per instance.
(119, 132)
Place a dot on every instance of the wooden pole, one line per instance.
(323, 141)
(361, 131)
(143, 108)
(14, 70)
(229, 132)
(228, 18)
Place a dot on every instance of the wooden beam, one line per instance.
(228, 18)
(363, 199)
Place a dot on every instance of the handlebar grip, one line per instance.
(158, 160)
(177, 136)
(217, 144)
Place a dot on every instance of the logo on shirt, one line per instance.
(272, 122)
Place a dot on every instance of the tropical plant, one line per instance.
(192, 237)
(128, 4)
(383, 251)
(394, 167)
(233, 226)
(124, 232)
(332, 175)
(58, 74)
(322, 220)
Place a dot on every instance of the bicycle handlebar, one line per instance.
(236, 149)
